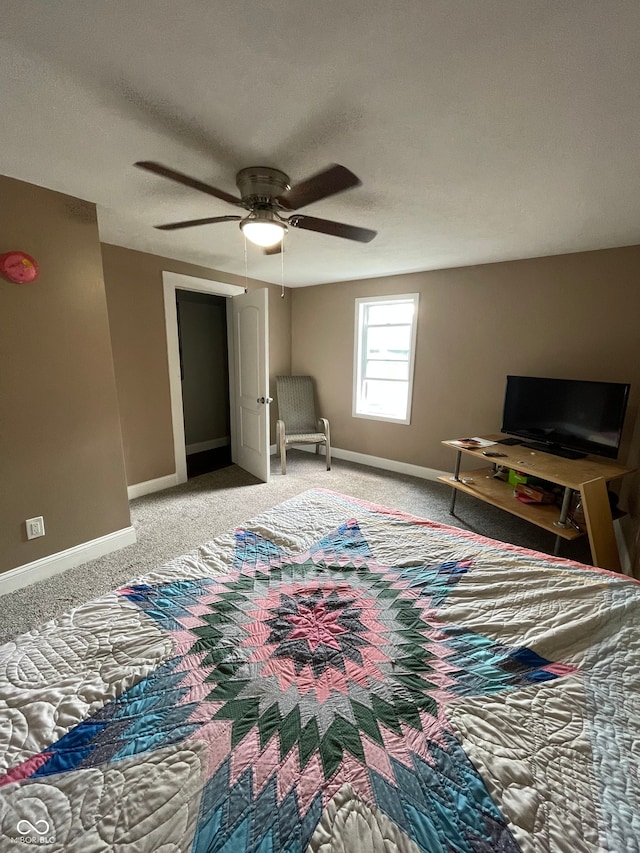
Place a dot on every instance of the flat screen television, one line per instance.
(568, 417)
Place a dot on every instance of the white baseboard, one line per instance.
(374, 461)
(46, 567)
(157, 485)
(210, 444)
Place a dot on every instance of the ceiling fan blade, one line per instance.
(173, 226)
(332, 180)
(335, 229)
(180, 178)
(273, 250)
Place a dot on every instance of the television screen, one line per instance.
(566, 414)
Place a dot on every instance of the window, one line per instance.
(385, 338)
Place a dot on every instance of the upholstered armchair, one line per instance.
(297, 422)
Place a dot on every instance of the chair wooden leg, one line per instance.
(283, 453)
(327, 441)
(317, 448)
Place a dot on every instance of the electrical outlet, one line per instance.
(35, 527)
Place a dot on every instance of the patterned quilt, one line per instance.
(335, 676)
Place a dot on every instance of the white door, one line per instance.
(250, 400)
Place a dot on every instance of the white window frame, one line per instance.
(359, 355)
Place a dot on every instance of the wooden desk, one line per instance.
(589, 476)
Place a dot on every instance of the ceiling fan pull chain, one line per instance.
(246, 287)
(282, 270)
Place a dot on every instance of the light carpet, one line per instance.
(179, 519)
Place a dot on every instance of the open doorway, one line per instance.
(248, 365)
(204, 373)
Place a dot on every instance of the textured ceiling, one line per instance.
(482, 130)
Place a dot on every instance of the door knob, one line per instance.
(265, 399)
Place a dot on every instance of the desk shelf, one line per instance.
(496, 492)
(587, 476)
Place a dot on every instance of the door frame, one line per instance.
(171, 282)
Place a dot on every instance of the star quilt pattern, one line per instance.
(364, 681)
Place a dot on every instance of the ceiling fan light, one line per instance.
(263, 233)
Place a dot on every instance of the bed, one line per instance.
(334, 676)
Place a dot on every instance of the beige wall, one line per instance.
(575, 316)
(133, 282)
(60, 444)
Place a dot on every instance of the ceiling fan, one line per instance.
(265, 193)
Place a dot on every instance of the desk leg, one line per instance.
(454, 491)
(562, 521)
(597, 514)
(564, 512)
